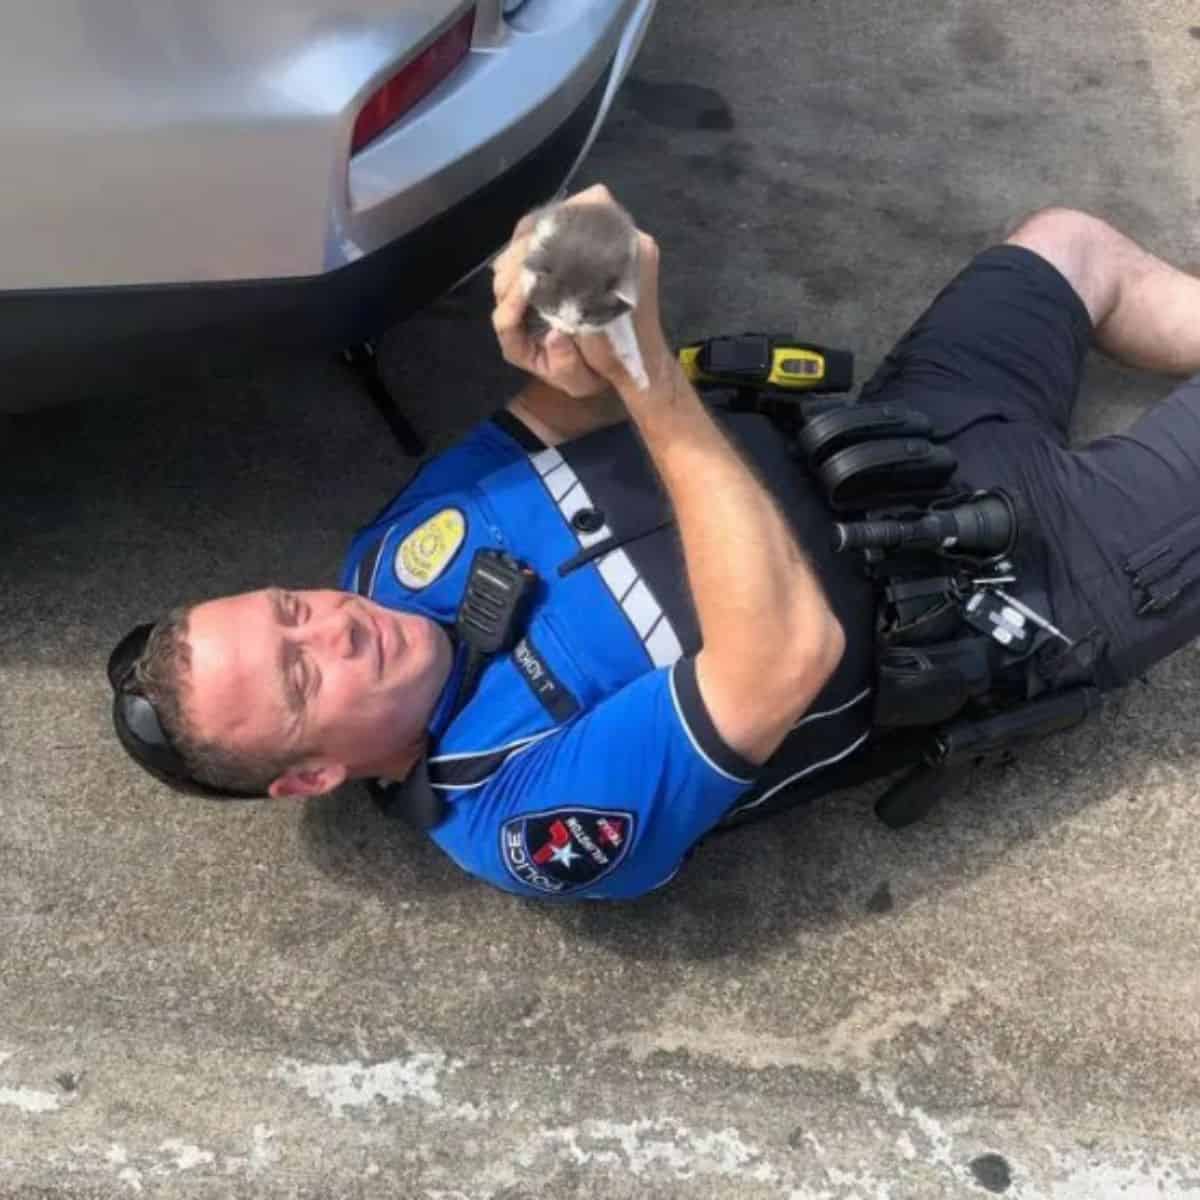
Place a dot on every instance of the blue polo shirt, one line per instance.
(585, 764)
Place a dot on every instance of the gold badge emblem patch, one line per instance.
(429, 549)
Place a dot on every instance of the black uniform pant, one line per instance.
(996, 362)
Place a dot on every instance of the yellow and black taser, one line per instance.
(767, 362)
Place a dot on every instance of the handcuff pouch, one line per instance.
(925, 685)
(875, 474)
(827, 432)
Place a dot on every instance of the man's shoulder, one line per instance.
(489, 446)
(524, 832)
(431, 507)
(605, 805)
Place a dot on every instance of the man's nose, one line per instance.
(337, 632)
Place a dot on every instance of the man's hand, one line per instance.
(580, 367)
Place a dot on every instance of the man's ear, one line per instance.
(312, 778)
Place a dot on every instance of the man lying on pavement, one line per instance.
(692, 648)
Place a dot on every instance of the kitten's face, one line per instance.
(581, 270)
(575, 305)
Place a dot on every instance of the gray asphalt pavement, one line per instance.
(299, 1000)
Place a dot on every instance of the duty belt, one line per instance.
(968, 664)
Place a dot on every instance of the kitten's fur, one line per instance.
(581, 276)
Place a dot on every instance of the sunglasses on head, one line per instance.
(140, 731)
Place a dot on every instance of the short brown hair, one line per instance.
(163, 674)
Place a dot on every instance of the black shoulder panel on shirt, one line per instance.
(694, 714)
(518, 431)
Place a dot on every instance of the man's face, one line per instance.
(327, 677)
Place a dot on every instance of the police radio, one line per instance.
(491, 615)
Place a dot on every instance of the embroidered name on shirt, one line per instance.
(550, 693)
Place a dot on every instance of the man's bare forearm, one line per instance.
(768, 631)
(770, 639)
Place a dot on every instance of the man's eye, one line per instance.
(312, 676)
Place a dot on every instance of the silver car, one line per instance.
(187, 174)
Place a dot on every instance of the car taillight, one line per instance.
(413, 81)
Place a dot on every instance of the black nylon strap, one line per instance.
(472, 769)
(518, 431)
(414, 799)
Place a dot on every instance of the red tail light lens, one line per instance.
(413, 81)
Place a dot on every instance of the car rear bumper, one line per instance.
(152, 144)
(92, 332)
(506, 99)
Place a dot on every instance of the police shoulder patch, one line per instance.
(430, 548)
(562, 850)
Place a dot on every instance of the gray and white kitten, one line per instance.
(581, 276)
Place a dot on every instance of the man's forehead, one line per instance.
(236, 690)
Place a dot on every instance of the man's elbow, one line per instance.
(819, 651)
(754, 700)
(825, 652)
(834, 645)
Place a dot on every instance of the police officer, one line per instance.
(693, 648)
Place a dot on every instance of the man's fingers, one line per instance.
(525, 225)
(566, 367)
(508, 311)
(516, 347)
(561, 354)
(596, 194)
(503, 263)
(517, 244)
(507, 268)
(597, 353)
(515, 343)
(501, 280)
